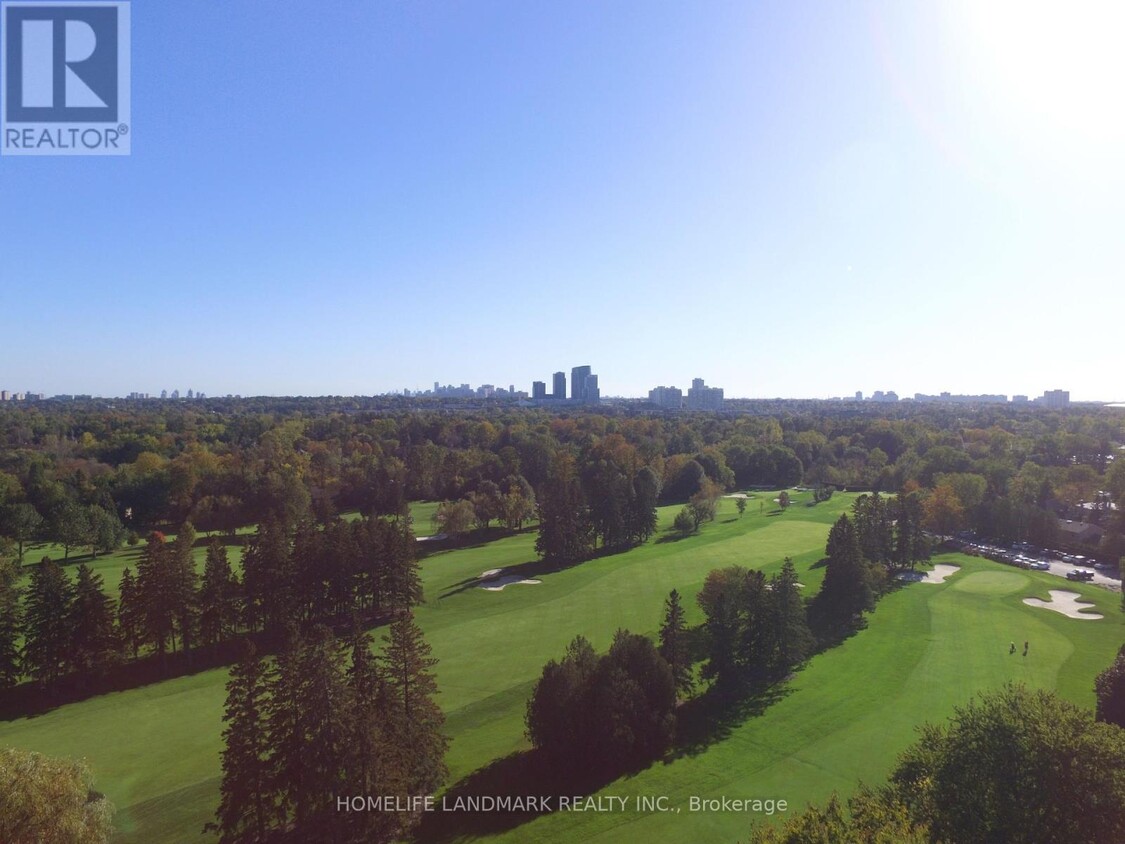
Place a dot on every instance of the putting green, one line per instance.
(991, 582)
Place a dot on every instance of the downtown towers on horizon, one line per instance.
(583, 387)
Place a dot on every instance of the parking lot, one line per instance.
(1026, 556)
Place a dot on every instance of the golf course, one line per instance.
(841, 719)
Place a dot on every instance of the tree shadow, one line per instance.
(524, 775)
(711, 717)
(524, 571)
(674, 537)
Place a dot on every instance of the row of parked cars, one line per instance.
(1027, 556)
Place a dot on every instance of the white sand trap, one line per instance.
(498, 584)
(938, 575)
(1066, 602)
(485, 575)
(738, 495)
(437, 537)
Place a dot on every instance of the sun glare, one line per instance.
(1056, 68)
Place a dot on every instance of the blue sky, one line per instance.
(787, 199)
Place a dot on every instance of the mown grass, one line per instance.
(154, 750)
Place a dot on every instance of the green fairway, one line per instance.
(154, 750)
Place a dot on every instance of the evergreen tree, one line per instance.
(311, 756)
(93, 643)
(47, 622)
(873, 524)
(218, 596)
(414, 716)
(402, 583)
(723, 632)
(183, 581)
(130, 613)
(795, 641)
(10, 623)
(268, 579)
(674, 645)
(246, 804)
(845, 593)
(757, 634)
(641, 515)
(375, 765)
(910, 544)
(157, 594)
(565, 532)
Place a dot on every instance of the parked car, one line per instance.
(1080, 574)
(1040, 565)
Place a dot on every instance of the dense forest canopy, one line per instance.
(85, 474)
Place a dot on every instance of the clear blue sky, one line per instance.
(787, 199)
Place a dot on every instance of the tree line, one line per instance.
(305, 574)
(324, 722)
(89, 476)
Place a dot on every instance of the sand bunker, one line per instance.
(938, 575)
(497, 584)
(1066, 602)
(485, 575)
(738, 495)
(437, 537)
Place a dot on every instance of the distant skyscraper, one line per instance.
(702, 397)
(578, 382)
(671, 398)
(559, 384)
(1057, 399)
(163, 394)
(175, 394)
(591, 394)
(859, 395)
(538, 390)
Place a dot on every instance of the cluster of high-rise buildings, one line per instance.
(164, 394)
(699, 397)
(584, 387)
(1051, 399)
(5, 395)
(464, 391)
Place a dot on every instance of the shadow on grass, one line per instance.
(713, 716)
(30, 699)
(524, 571)
(526, 774)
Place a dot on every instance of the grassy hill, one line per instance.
(154, 750)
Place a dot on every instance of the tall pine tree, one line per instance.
(415, 719)
(674, 645)
(47, 622)
(246, 804)
(94, 645)
(218, 597)
(845, 594)
(10, 623)
(795, 641)
(157, 594)
(130, 613)
(183, 581)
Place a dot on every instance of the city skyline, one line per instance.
(928, 195)
(665, 396)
